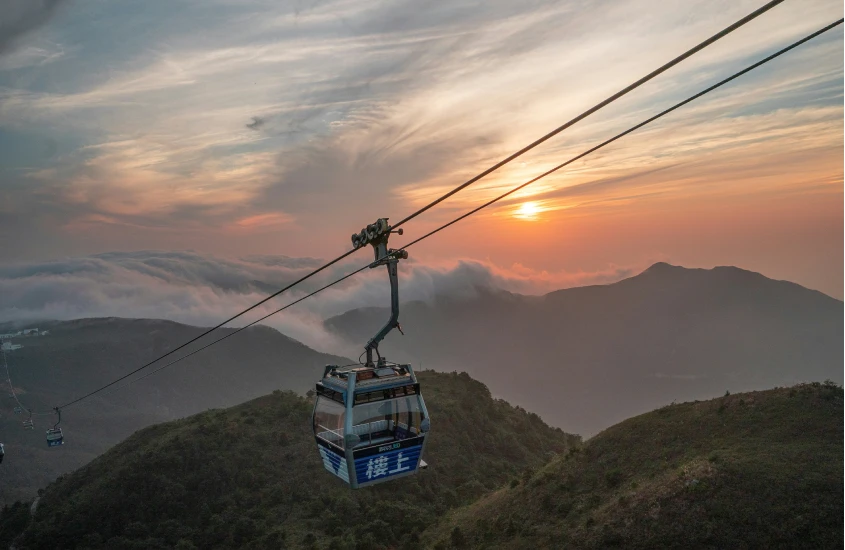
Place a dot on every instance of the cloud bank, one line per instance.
(203, 290)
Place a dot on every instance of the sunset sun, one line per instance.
(528, 211)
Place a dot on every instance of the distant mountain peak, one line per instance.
(738, 273)
(663, 267)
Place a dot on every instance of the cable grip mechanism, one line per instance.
(377, 234)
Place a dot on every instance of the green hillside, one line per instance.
(250, 476)
(753, 470)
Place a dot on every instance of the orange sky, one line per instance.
(291, 129)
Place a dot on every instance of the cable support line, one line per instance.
(630, 130)
(522, 151)
(660, 70)
(212, 329)
(347, 276)
(12, 389)
(514, 190)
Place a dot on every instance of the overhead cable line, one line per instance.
(12, 391)
(631, 129)
(663, 68)
(721, 34)
(347, 276)
(493, 168)
(192, 340)
(9, 379)
(660, 70)
(515, 189)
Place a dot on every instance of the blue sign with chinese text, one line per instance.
(391, 462)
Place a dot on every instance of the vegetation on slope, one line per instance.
(754, 470)
(250, 476)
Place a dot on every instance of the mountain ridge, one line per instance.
(725, 328)
(666, 269)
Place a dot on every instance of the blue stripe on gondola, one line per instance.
(387, 464)
(334, 463)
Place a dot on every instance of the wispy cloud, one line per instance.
(235, 119)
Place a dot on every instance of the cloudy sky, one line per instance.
(257, 134)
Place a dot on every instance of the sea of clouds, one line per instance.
(201, 289)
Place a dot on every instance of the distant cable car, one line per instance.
(370, 421)
(27, 424)
(54, 437)
(54, 434)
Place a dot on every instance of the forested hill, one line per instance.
(250, 476)
(752, 470)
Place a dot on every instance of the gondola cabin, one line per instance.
(55, 437)
(370, 423)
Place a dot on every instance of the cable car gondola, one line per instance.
(370, 421)
(54, 434)
(55, 437)
(28, 424)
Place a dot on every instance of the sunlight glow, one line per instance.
(528, 211)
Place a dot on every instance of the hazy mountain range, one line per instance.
(585, 358)
(582, 358)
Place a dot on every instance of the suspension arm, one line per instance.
(376, 235)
